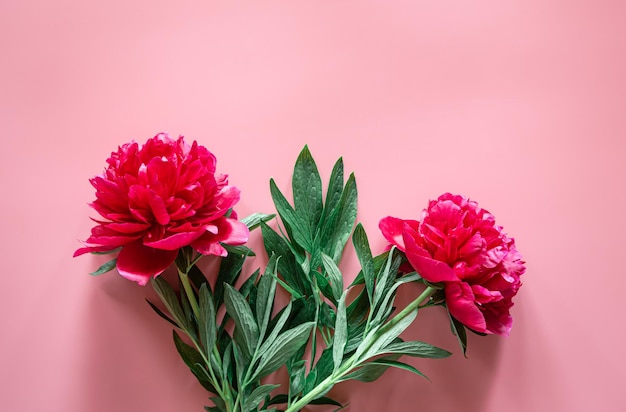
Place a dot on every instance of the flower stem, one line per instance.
(353, 362)
(191, 296)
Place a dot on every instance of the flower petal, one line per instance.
(460, 302)
(174, 242)
(139, 263)
(229, 231)
(430, 269)
(392, 228)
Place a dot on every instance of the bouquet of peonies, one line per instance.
(163, 203)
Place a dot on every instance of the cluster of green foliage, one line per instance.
(237, 336)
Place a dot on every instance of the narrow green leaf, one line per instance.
(386, 276)
(287, 266)
(105, 267)
(418, 349)
(254, 220)
(306, 186)
(161, 314)
(285, 345)
(334, 275)
(399, 365)
(338, 224)
(293, 224)
(169, 299)
(324, 286)
(334, 191)
(230, 269)
(379, 261)
(380, 338)
(197, 277)
(341, 332)
(277, 327)
(238, 309)
(458, 330)
(194, 362)
(296, 371)
(207, 324)
(369, 372)
(386, 306)
(219, 404)
(363, 252)
(239, 250)
(265, 296)
(323, 400)
(278, 400)
(256, 397)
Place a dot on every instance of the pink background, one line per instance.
(518, 104)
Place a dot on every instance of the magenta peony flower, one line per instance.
(459, 244)
(158, 198)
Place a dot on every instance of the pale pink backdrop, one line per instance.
(518, 104)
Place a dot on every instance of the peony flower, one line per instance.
(458, 243)
(158, 198)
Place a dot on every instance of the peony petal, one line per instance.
(89, 249)
(229, 231)
(139, 263)
(460, 302)
(174, 242)
(392, 229)
(158, 208)
(430, 269)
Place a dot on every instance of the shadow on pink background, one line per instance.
(517, 104)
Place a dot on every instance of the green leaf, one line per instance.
(230, 269)
(323, 400)
(363, 252)
(161, 314)
(254, 220)
(386, 306)
(256, 397)
(104, 268)
(324, 286)
(287, 266)
(265, 296)
(334, 191)
(306, 185)
(239, 250)
(386, 276)
(285, 345)
(374, 369)
(338, 225)
(169, 299)
(219, 404)
(378, 339)
(277, 327)
(418, 349)
(334, 275)
(458, 330)
(296, 371)
(206, 324)
(370, 371)
(197, 277)
(379, 261)
(341, 332)
(238, 309)
(293, 223)
(194, 362)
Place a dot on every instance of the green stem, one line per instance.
(191, 296)
(353, 362)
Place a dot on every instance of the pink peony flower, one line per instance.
(459, 244)
(158, 198)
